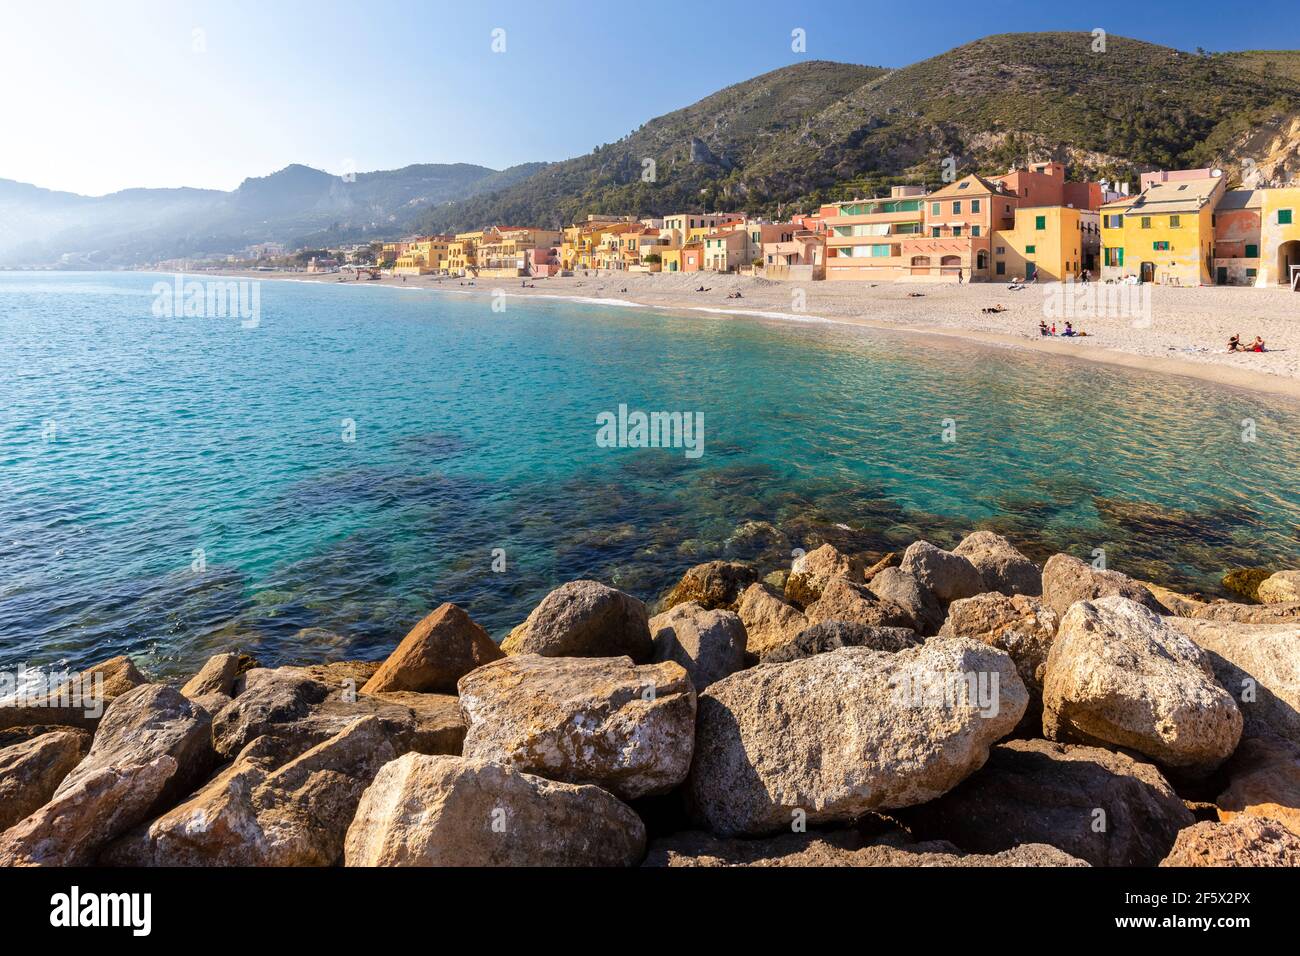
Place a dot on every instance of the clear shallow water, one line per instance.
(476, 431)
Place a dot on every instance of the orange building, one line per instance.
(1237, 237)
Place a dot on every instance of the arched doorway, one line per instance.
(920, 265)
(982, 261)
(1288, 255)
(950, 265)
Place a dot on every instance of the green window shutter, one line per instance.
(1030, 250)
(974, 230)
(1252, 252)
(1284, 217)
(956, 209)
(974, 205)
(934, 209)
(1040, 222)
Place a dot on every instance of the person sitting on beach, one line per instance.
(916, 295)
(1042, 328)
(1069, 330)
(1234, 344)
(1257, 345)
(994, 309)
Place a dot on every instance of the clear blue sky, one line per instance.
(102, 96)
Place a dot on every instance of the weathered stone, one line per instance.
(216, 676)
(31, 771)
(1100, 806)
(602, 721)
(813, 571)
(1246, 581)
(832, 635)
(1066, 580)
(1263, 781)
(709, 644)
(1171, 602)
(343, 675)
(845, 601)
(838, 734)
(78, 702)
(948, 576)
(891, 560)
(453, 811)
(1119, 674)
(1229, 613)
(834, 848)
(1002, 567)
(436, 653)
(716, 584)
(259, 812)
(1259, 665)
(1280, 588)
(1022, 626)
(901, 588)
(1245, 841)
(584, 619)
(769, 622)
(439, 726)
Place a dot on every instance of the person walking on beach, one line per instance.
(959, 279)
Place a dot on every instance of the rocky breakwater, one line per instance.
(941, 708)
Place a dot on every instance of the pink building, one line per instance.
(542, 261)
(1175, 176)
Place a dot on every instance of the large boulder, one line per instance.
(288, 702)
(1263, 781)
(769, 622)
(79, 701)
(713, 585)
(1245, 841)
(453, 811)
(1119, 674)
(1002, 567)
(835, 735)
(709, 644)
(1280, 588)
(832, 635)
(949, 576)
(264, 811)
(31, 771)
(436, 653)
(584, 619)
(1100, 806)
(603, 721)
(1259, 665)
(899, 587)
(216, 676)
(843, 600)
(1022, 626)
(811, 573)
(835, 848)
(1246, 581)
(1066, 580)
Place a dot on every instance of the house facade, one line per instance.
(1165, 234)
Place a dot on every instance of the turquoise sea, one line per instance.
(174, 486)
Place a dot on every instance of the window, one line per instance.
(1252, 252)
(879, 250)
(1030, 250)
(1250, 273)
(1160, 246)
(1284, 217)
(1146, 222)
(934, 209)
(956, 208)
(956, 230)
(1040, 222)
(1000, 268)
(1114, 222)
(974, 205)
(934, 232)
(1175, 222)
(974, 230)
(1001, 250)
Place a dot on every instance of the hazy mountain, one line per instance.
(42, 227)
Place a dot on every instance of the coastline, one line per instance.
(1185, 337)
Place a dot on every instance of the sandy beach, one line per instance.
(1187, 333)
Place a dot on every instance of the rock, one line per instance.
(1022, 626)
(948, 576)
(812, 571)
(717, 584)
(899, 587)
(1119, 674)
(1249, 613)
(1000, 565)
(1280, 588)
(834, 848)
(453, 811)
(584, 619)
(844, 601)
(1259, 665)
(216, 676)
(436, 653)
(1264, 781)
(143, 724)
(838, 734)
(1246, 582)
(286, 702)
(709, 644)
(1066, 580)
(890, 560)
(602, 721)
(343, 675)
(1246, 841)
(31, 771)
(769, 622)
(832, 635)
(78, 702)
(1171, 602)
(259, 812)
(1035, 791)
(71, 829)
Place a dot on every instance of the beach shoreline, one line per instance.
(1186, 336)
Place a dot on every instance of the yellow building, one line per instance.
(502, 253)
(1165, 234)
(1279, 229)
(1046, 243)
(423, 256)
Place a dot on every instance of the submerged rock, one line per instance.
(454, 811)
(1246, 582)
(715, 584)
(440, 650)
(584, 619)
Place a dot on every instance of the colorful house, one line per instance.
(423, 256)
(1046, 243)
(1165, 234)
(800, 257)
(864, 236)
(727, 249)
(1237, 237)
(956, 237)
(1280, 237)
